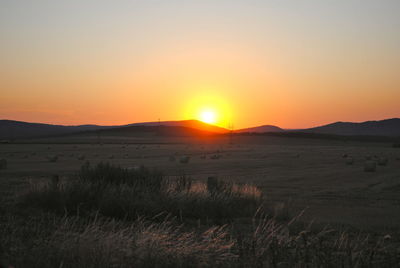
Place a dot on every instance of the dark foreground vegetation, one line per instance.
(108, 216)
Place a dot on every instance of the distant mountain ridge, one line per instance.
(185, 123)
(10, 129)
(260, 129)
(387, 127)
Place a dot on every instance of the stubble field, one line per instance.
(294, 174)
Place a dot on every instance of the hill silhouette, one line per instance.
(261, 129)
(10, 129)
(151, 130)
(387, 127)
(194, 124)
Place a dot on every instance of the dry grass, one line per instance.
(279, 244)
(48, 241)
(121, 193)
(77, 242)
(99, 222)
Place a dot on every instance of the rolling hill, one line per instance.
(10, 129)
(260, 129)
(194, 124)
(387, 127)
(150, 130)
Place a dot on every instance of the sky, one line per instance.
(294, 64)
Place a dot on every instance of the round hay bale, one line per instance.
(382, 161)
(53, 158)
(3, 164)
(184, 159)
(349, 161)
(370, 166)
(215, 156)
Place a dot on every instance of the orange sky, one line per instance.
(285, 63)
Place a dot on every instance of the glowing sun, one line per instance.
(208, 116)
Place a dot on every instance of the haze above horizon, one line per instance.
(294, 64)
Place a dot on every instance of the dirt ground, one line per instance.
(307, 174)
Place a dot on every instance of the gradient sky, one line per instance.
(290, 63)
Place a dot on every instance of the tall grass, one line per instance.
(77, 242)
(121, 193)
(275, 244)
(98, 242)
(112, 217)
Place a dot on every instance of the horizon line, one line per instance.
(215, 125)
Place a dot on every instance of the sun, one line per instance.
(208, 116)
(209, 108)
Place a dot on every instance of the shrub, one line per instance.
(105, 174)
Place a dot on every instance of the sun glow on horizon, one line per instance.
(208, 116)
(209, 108)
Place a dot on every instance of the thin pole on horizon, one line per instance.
(230, 127)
